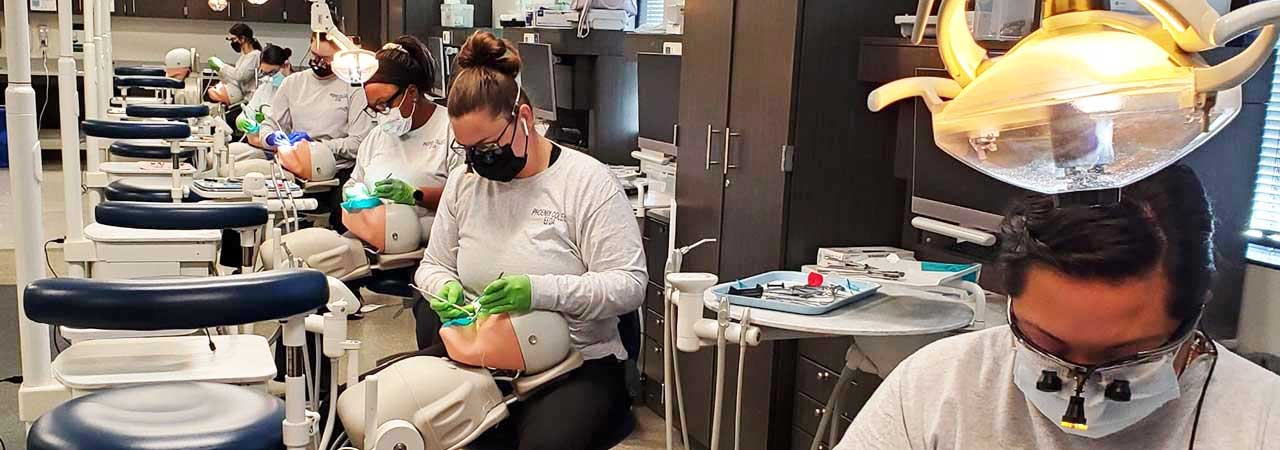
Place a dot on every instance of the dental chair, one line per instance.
(142, 176)
(176, 392)
(164, 87)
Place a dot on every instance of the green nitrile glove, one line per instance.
(215, 63)
(448, 306)
(395, 190)
(509, 294)
(246, 125)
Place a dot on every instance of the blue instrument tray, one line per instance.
(856, 289)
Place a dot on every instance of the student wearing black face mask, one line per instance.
(238, 81)
(529, 225)
(330, 110)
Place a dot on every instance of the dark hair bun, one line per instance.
(484, 50)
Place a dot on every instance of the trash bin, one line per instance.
(4, 139)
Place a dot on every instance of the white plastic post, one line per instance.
(68, 119)
(297, 433)
(25, 177)
(91, 108)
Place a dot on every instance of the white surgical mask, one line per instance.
(1152, 384)
(393, 123)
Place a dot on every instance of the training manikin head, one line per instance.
(308, 162)
(177, 63)
(1093, 99)
(531, 342)
(321, 249)
(390, 228)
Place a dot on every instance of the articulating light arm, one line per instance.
(352, 63)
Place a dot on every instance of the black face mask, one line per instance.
(321, 67)
(500, 164)
(235, 45)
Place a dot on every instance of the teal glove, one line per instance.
(447, 305)
(247, 125)
(356, 198)
(509, 294)
(395, 190)
(215, 63)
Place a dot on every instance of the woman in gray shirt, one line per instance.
(529, 225)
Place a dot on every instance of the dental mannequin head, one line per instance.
(397, 91)
(491, 117)
(177, 63)
(530, 343)
(390, 228)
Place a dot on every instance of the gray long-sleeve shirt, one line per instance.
(330, 110)
(570, 228)
(241, 78)
(958, 393)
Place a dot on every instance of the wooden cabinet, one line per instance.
(297, 11)
(271, 11)
(157, 8)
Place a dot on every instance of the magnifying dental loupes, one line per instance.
(1092, 100)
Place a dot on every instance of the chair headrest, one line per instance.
(181, 216)
(135, 130)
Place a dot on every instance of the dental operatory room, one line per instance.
(640, 225)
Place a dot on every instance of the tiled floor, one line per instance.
(382, 332)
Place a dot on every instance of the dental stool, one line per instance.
(139, 174)
(164, 395)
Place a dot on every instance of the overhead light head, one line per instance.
(218, 5)
(257, 2)
(355, 66)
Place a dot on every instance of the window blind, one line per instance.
(1266, 198)
(651, 14)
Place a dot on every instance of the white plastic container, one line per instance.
(1003, 20)
(1132, 6)
(457, 15)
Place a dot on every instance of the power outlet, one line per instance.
(43, 33)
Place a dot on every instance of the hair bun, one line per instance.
(483, 49)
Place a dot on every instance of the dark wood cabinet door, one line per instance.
(160, 8)
(297, 11)
(199, 9)
(271, 11)
(704, 110)
(761, 101)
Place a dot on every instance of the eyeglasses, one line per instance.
(1184, 333)
(374, 110)
(485, 150)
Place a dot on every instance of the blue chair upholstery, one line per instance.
(125, 149)
(147, 71)
(181, 216)
(160, 82)
(169, 416)
(126, 191)
(135, 130)
(151, 305)
(167, 111)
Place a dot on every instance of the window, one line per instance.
(1265, 222)
(651, 12)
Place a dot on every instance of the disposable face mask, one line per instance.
(235, 45)
(321, 67)
(501, 164)
(393, 123)
(1093, 99)
(1150, 385)
(277, 79)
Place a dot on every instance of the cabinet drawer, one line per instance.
(653, 297)
(801, 441)
(827, 352)
(653, 397)
(656, 235)
(653, 360)
(653, 325)
(808, 413)
(817, 382)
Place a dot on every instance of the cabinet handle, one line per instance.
(710, 132)
(657, 349)
(728, 137)
(675, 134)
(658, 322)
(822, 446)
(824, 376)
(818, 412)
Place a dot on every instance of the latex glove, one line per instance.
(279, 139)
(509, 294)
(395, 190)
(447, 306)
(215, 63)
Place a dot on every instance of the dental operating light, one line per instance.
(218, 5)
(257, 2)
(352, 63)
(1092, 100)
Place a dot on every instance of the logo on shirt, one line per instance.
(548, 216)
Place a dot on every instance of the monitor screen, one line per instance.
(946, 189)
(435, 46)
(659, 100)
(538, 79)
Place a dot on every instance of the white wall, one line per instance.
(147, 39)
(1260, 311)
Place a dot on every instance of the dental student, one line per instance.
(1102, 351)
(272, 70)
(238, 81)
(527, 225)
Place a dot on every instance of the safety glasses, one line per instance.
(374, 110)
(1184, 333)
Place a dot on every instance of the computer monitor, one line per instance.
(539, 80)
(659, 100)
(435, 46)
